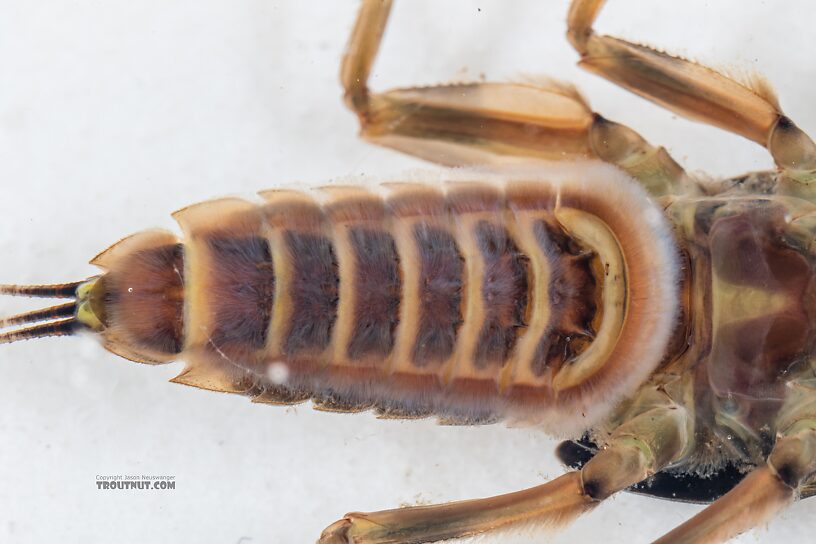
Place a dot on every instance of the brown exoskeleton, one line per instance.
(725, 223)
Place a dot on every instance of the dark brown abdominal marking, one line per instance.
(440, 286)
(147, 298)
(504, 293)
(242, 290)
(378, 293)
(571, 293)
(314, 292)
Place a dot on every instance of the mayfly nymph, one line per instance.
(662, 323)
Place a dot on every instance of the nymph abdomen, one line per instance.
(534, 299)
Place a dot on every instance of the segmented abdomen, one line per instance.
(469, 304)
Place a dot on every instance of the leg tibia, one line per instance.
(748, 108)
(684, 87)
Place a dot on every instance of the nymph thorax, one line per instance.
(747, 330)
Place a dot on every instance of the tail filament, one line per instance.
(59, 320)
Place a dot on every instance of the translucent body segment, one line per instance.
(762, 292)
(755, 297)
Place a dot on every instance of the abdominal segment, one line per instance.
(468, 303)
(439, 290)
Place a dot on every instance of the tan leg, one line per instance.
(747, 108)
(760, 496)
(489, 123)
(643, 445)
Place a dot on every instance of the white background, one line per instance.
(113, 114)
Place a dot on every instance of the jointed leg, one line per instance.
(767, 490)
(487, 123)
(643, 445)
(362, 50)
(749, 109)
